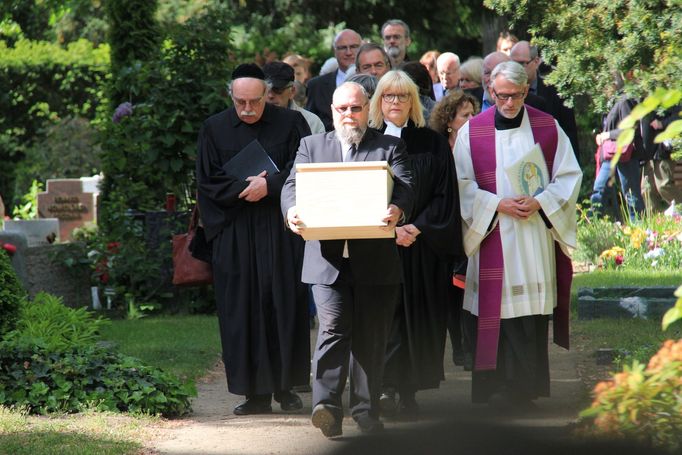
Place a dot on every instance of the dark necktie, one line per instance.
(351, 152)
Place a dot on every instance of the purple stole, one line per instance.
(491, 268)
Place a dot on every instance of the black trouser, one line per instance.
(354, 320)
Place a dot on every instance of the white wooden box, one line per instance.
(344, 200)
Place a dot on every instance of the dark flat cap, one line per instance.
(279, 74)
(248, 70)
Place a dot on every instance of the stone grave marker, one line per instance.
(69, 202)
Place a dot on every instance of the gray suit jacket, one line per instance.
(372, 261)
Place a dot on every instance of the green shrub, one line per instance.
(40, 84)
(11, 294)
(44, 381)
(641, 402)
(67, 148)
(48, 322)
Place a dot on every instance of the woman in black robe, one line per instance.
(430, 241)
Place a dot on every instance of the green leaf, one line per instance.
(671, 132)
(627, 122)
(624, 138)
(671, 98)
(672, 315)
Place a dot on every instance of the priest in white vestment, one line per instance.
(529, 226)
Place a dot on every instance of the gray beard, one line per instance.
(393, 51)
(349, 134)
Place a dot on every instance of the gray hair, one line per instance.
(368, 47)
(368, 82)
(447, 57)
(396, 22)
(511, 71)
(266, 85)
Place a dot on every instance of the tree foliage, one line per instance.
(440, 24)
(586, 41)
(41, 85)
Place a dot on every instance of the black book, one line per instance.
(250, 161)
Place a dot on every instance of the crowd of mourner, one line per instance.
(484, 157)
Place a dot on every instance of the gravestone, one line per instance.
(625, 302)
(36, 232)
(72, 201)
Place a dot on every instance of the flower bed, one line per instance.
(651, 242)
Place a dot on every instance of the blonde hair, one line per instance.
(402, 83)
(472, 69)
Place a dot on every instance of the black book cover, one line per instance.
(250, 161)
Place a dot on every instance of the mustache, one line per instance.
(247, 113)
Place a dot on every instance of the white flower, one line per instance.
(656, 252)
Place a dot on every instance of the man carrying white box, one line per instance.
(356, 282)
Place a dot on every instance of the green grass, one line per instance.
(88, 433)
(184, 345)
(614, 278)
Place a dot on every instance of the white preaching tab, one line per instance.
(528, 175)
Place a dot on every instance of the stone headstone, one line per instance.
(69, 202)
(36, 232)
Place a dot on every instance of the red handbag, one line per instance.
(187, 270)
(608, 151)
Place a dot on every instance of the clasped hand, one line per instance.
(406, 235)
(257, 188)
(520, 207)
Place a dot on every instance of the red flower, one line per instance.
(619, 259)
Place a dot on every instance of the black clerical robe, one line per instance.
(414, 358)
(261, 303)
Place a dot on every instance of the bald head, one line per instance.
(526, 55)
(490, 62)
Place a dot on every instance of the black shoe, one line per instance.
(289, 401)
(387, 403)
(368, 424)
(408, 409)
(458, 357)
(253, 406)
(508, 402)
(323, 418)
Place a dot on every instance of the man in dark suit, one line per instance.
(355, 282)
(321, 88)
(528, 56)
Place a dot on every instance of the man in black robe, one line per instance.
(262, 306)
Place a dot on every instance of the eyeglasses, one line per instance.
(509, 96)
(280, 90)
(391, 97)
(390, 37)
(351, 47)
(251, 102)
(353, 108)
(369, 66)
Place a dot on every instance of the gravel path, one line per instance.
(448, 423)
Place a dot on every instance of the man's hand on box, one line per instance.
(392, 217)
(294, 222)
